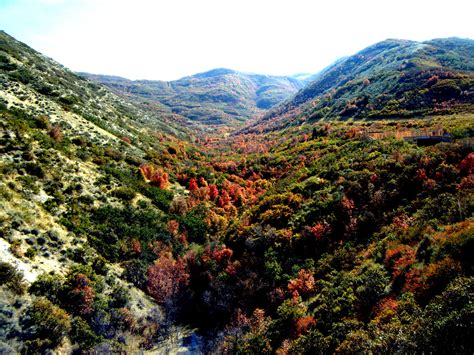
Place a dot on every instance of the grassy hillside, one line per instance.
(216, 97)
(69, 146)
(391, 79)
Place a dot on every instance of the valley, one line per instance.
(229, 212)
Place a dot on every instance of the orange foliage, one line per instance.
(319, 230)
(399, 259)
(224, 199)
(156, 177)
(347, 203)
(202, 182)
(386, 308)
(173, 227)
(438, 274)
(136, 246)
(303, 284)
(303, 324)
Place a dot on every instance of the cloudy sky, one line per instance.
(169, 39)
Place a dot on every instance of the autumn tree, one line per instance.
(192, 185)
(166, 278)
(213, 192)
(156, 177)
(82, 295)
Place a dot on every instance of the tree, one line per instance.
(166, 278)
(156, 177)
(193, 186)
(304, 283)
(82, 295)
(213, 192)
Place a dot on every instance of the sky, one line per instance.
(169, 39)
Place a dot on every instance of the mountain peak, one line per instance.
(214, 72)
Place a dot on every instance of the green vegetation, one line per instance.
(219, 97)
(391, 79)
(11, 278)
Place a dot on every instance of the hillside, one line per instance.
(65, 145)
(216, 97)
(390, 79)
(124, 229)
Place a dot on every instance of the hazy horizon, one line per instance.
(167, 41)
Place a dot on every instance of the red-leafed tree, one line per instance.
(347, 203)
(213, 192)
(319, 230)
(467, 164)
(303, 324)
(136, 246)
(224, 199)
(192, 186)
(83, 294)
(166, 278)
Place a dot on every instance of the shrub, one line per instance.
(47, 285)
(49, 321)
(12, 278)
(83, 335)
(56, 134)
(124, 193)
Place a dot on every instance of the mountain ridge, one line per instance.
(219, 96)
(388, 79)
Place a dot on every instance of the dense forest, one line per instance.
(125, 229)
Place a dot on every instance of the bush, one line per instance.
(83, 335)
(124, 193)
(49, 322)
(12, 278)
(160, 198)
(47, 285)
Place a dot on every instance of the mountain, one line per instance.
(390, 79)
(31, 80)
(217, 97)
(67, 144)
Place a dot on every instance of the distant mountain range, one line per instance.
(217, 97)
(390, 79)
